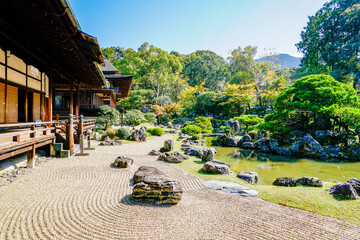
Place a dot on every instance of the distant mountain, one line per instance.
(284, 60)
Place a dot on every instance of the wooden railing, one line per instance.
(16, 138)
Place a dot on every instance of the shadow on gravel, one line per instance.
(127, 200)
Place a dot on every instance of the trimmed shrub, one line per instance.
(209, 141)
(109, 133)
(252, 133)
(123, 133)
(191, 129)
(196, 137)
(147, 134)
(150, 117)
(204, 123)
(157, 131)
(134, 117)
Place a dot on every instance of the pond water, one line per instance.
(270, 167)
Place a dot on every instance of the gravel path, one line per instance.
(85, 198)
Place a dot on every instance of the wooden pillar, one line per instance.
(70, 134)
(31, 157)
(77, 107)
(50, 113)
(80, 129)
(6, 79)
(26, 96)
(71, 100)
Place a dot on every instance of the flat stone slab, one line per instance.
(231, 188)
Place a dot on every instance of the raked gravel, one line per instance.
(86, 198)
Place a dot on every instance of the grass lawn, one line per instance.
(307, 198)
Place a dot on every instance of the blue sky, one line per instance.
(189, 25)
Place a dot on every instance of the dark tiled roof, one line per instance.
(109, 68)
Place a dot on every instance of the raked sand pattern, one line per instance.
(86, 198)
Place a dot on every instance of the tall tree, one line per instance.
(208, 67)
(330, 42)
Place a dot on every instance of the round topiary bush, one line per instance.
(123, 133)
(196, 137)
(204, 123)
(191, 129)
(157, 131)
(252, 133)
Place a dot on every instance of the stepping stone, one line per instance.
(231, 188)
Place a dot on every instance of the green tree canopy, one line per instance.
(330, 42)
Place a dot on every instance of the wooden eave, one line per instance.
(42, 34)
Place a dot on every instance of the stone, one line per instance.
(268, 142)
(143, 129)
(96, 136)
(245, 139)
(353, 151)
(333, 151)
(309, 182)
(194, 142)
(168, 146)
(216, 167)
(174, 157)
(283, 151)
(265, 149)
(110, 142)
(234, 125)
(344, 190)
(193, 151)
(308, 146)
(285, 182)
(154, 153)
(170, 125)
(123, 162)
(233, 142)
(250, 177)
(152, 184)
(248, 145)
(261, 134)
(138, 136)
(230, 188)
(184, 136)
(7, 165)
(208, 154)
(355, 183)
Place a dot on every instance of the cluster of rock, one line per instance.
(110, 142)
(292, 182)
(152, 184)
(348, 190)
(250, 177)
(123, 162)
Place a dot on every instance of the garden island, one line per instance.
(117, 143)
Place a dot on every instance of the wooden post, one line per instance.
(80, 128)
(31, 157)
(71, 100)
(70, 134)
(57, 117)
(77, 106)
(89, 141)
(50, 102)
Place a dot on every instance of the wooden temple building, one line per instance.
(44, 53)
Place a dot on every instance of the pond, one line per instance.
(270, 167)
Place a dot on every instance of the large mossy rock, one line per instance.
(138, 135)
(344, 190)
(234, 125)
(168, 146)
(266, 143)
(174, 157)
(232, 142)
(123, 162)
(208, 154)
(308, 146)
(353, 151)
(285, 182)
(355, 183)
(152, 184)
(309, 182)
(250, 177)
(244, 140)
(216, 167)
(283, 151)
